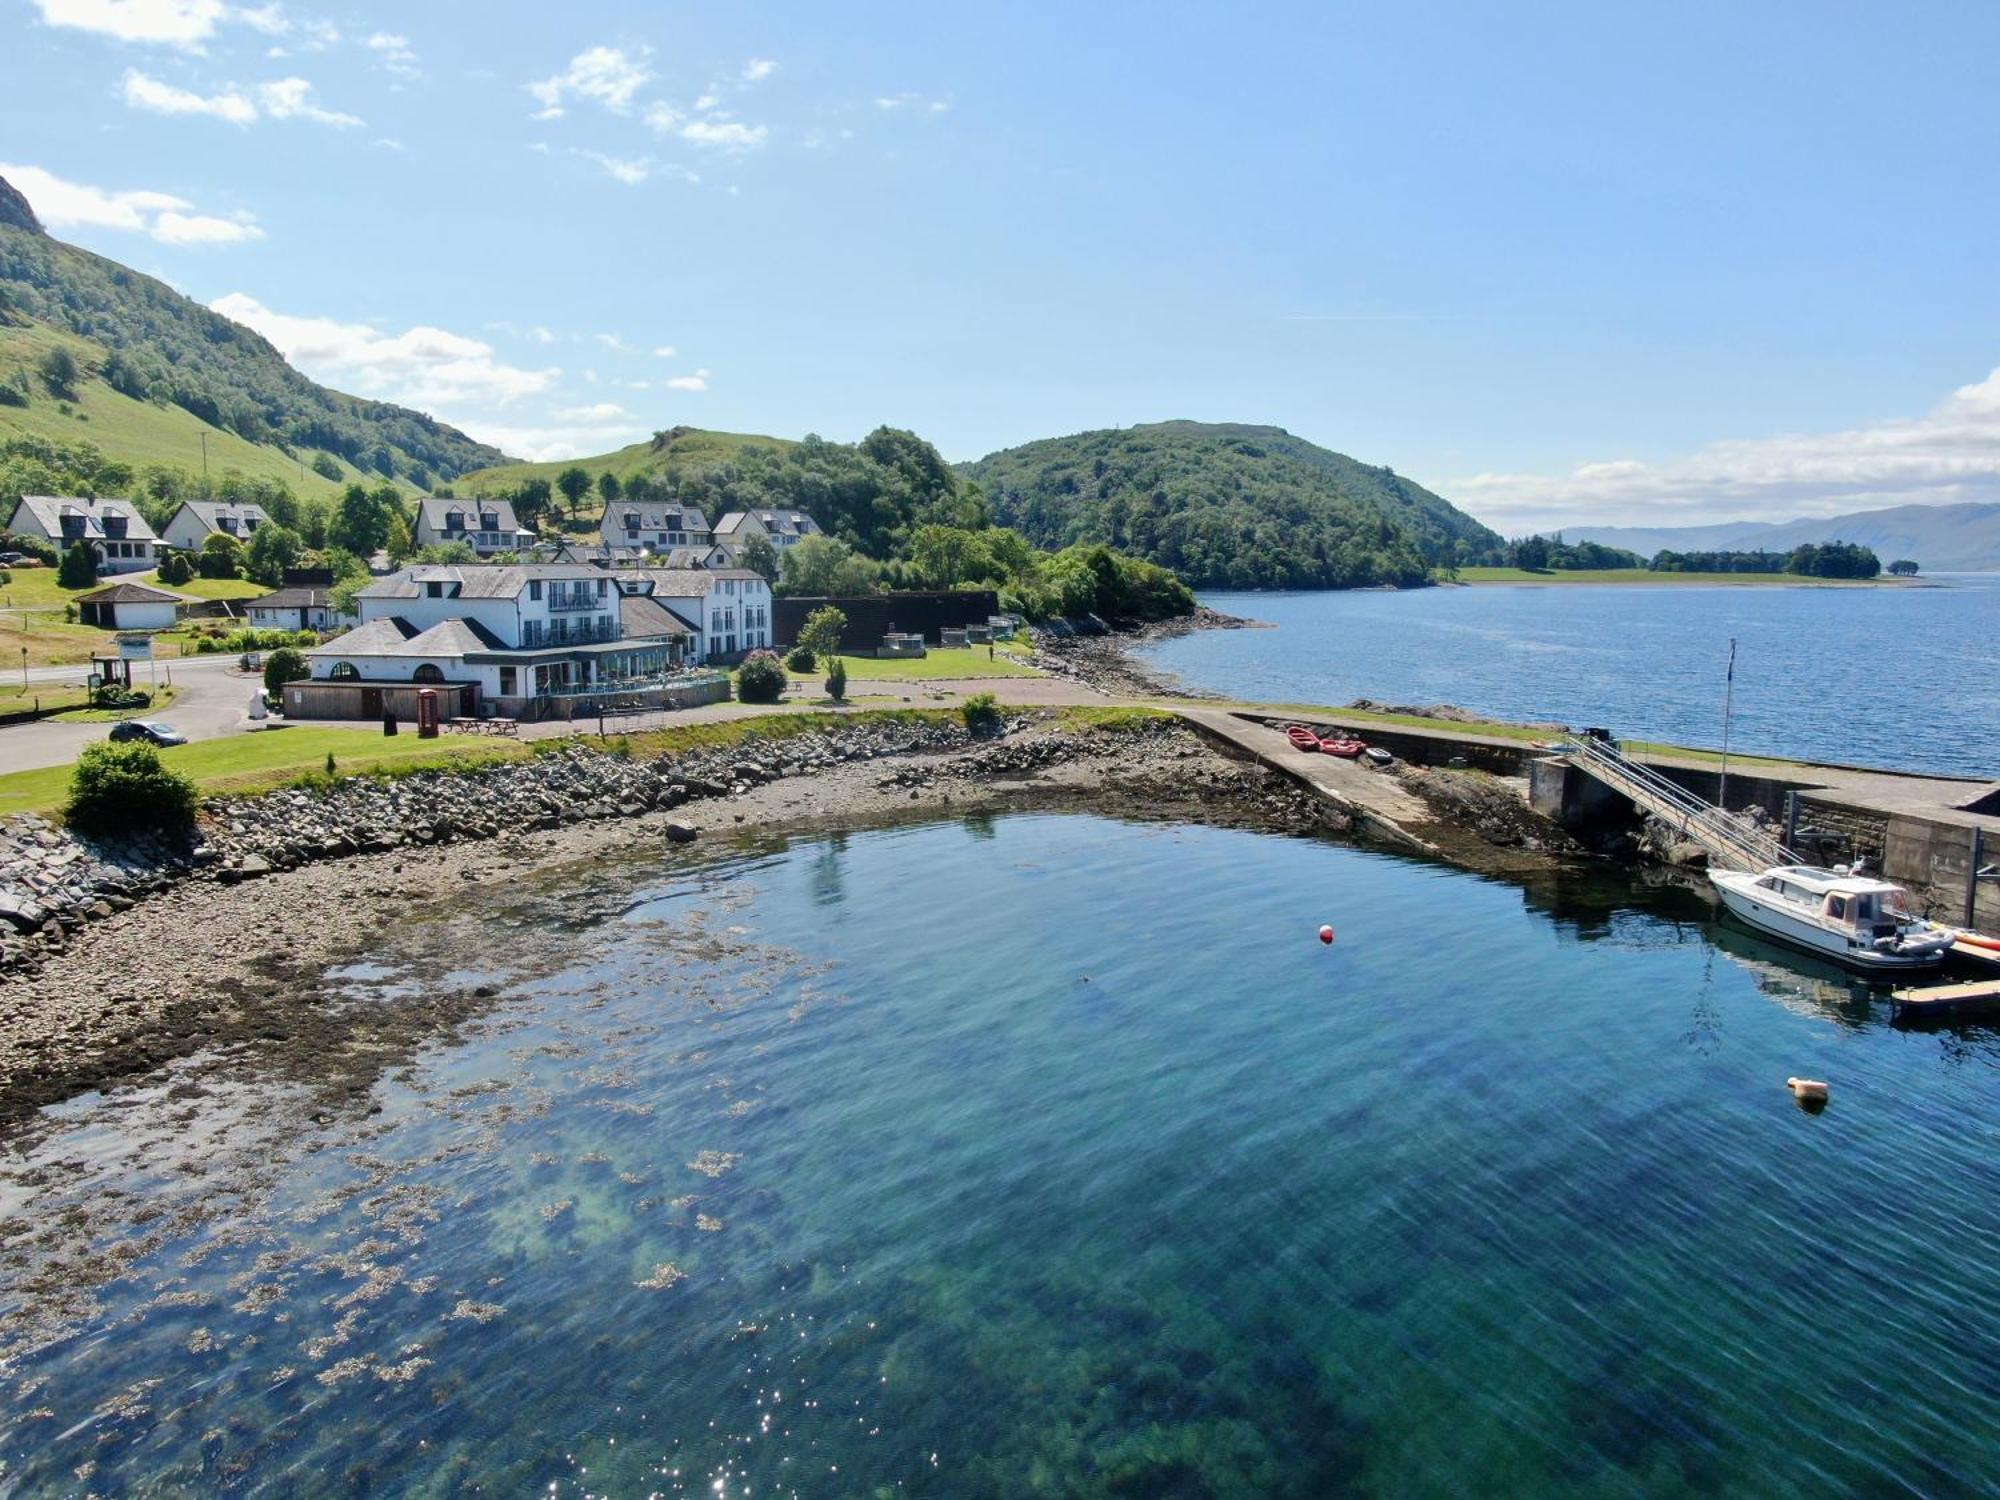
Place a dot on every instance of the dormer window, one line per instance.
(433, 589)
(489, 520)
(454, 521)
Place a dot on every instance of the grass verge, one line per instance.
(942, 662)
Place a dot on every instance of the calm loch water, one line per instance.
(1055, 1156)
(1901, 677)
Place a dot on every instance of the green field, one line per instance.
(141, 432)
(942, 662)
(696, 449)
(1645, 577)
(253, 762)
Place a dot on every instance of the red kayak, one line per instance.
(1345, 749)
(1302, 738)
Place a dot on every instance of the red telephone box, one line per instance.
(427, 713)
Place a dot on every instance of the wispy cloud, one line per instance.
(913, 103)
(613, 341)
(695, 382)
(664, 351)
(725, 135)
(63, 204)
(608, 75)
(283, 99)
(758, 69)
(398, 58)
(141, 91)
(630, 170)
(1950, 454)
(176, 23)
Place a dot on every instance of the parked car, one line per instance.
(151, 731)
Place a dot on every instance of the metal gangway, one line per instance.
(1731, 842)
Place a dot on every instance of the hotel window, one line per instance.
(535, 589)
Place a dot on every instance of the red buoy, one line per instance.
(1326, 934)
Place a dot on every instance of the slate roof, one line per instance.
(644, 618)
(387, 636)
(454, 637)
(653, 517)
(48, 510)
(132, 593)
(211, 513)
(475, 580)
(684, 583)
(433, 511)
(776, 522)
(294, 598)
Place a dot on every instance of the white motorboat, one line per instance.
(1864, 923)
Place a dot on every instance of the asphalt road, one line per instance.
(211, 699)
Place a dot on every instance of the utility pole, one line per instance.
(1728, 709)
(204, 461)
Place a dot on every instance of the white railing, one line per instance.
(1697, 819)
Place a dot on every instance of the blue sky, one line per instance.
(1560, 262)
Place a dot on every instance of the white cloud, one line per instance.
(422, 366)
(695, 382)
(603, 411)
(726, 135)
(144, 92)
(62, 204)
(1951, 454)
(388, 144)
(630, 170)
(664, 351)
(608, 75)
(547, 443)
(541, 335)
(290, 98)
(269, 19)
(662, 117)
(758, 69)
(284, 99)
(915, 103)
(176, 228)
(396, 54)
(179, 23)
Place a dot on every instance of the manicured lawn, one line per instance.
(211, 588)
(252, 762)
(955, 661)
(42, 695)
(1645, 576)
(36, 588)
(162, 701)
(1497, 730)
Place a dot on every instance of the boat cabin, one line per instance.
(1873, 907)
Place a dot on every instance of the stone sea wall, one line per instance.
(53, 882)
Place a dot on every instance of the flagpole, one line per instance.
(1728, 709)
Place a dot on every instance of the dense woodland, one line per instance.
(165, 348)
(1229, 506)
(1811, 560)
(896, 515)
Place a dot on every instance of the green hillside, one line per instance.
(683, 447)
(134, 432)
(1227, 505)
(178, 366)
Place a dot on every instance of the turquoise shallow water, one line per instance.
(1901, 677)
(1054, 1155)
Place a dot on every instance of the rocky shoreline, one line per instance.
(141, 954)
(1103, 659)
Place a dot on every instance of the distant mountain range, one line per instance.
(1941, 538)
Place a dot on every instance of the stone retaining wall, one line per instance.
(54, 882)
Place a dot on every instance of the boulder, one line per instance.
(682, 833)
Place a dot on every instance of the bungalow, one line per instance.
(130, 606)
(781, 528)
(531, 640)
(301, 606)
(651, 527)
(486, 526)
(115, 531)
(729, 608)
(198, 520)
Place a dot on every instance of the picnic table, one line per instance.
(496, 725)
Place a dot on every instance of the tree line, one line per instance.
(1541, 554)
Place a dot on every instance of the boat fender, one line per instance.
(1810, 1092)
(1326, 934)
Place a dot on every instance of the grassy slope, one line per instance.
(940, 663)
(696, 448)
(1644, 576)
(250, 762)
(140, 432)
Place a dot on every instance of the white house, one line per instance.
(530, 640)
(652, 527)
(198, 520)
(486, 526)
(598, 554)
(781, 528)
(730, 608)
(115, 530)
(130, 606)
(297, 607)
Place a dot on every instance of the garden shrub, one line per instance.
(982, 714)
(761, 679)
(117, 695)
(126, 788)
(836, 678)
(286, 664)
(801, 659)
